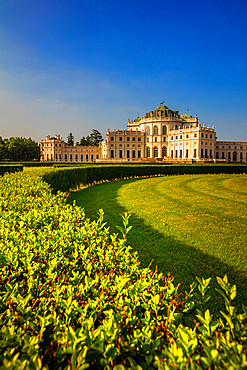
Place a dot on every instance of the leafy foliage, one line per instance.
(70, 139)
(93, 139)
(10, 168)
(19, 149)
(67, 178)
(73, 296)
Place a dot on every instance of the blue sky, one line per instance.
(70, 65)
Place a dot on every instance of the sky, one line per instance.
(74, 65)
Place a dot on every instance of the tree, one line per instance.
(2, 149)
(19, 149)
(95, 137)
(70, 139)
(84, 141)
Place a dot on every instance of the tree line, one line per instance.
(93, 139)
(19, 149)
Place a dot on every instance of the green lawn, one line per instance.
(190, 225)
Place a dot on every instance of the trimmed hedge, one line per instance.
(67, 178)
(75, 297)
(10, 168)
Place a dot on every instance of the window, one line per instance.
(206, 135)
(128, 153)
(201, 153)
(155, 139)
(56, 156)
(156, 131)
(147, 139)
(195, 135)
(194, 153)
(148, 130)
(133, 138)
(120, 154)
(211, 136)
(176, 137)
(217, 155)
(148, 152)
(181, 136)
(176, 153)
(91, 157)
(112, 153)
(187, 136)
(156, 152)
(187, 153)
(86, 157)
(128, 139)
(133, 153)
(81, 157)
(139, 139)
(229, 155)
(139, 154)
(60, 157)
(241, 155)
(223, 155)
(202, 135)
(164, 130)
(181, 153)
(171, 153)
(65, 157)
(210, 153)
(206, 153)
(97, 156)
(164, 152)
(112, 138)
(120, 138)
(172, 138)
(164, 138)
(70, 157)
(223, 147)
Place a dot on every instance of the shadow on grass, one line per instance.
(169, 254)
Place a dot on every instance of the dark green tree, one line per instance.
(2, 149)
(95, 137)
(84, 141)
(70, 139)
(19, 149)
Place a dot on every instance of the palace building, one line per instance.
(161, 135)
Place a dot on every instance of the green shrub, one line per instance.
(73, 296)
(66, 178)
(10, 168)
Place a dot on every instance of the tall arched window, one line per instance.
(156, 152)
(164, 151)
(156, 131)
(164, 130)
(148, 152)
(148, 130)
